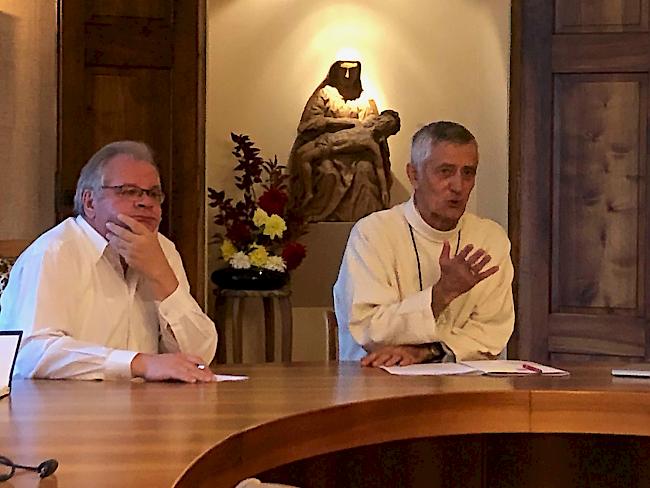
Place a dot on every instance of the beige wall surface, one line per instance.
(27, 117)
(427, 59)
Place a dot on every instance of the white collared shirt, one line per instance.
(82, 317)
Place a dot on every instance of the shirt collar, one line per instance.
(414, 218)
(95, 239)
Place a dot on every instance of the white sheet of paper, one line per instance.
(490, 367)
(229, 377)
(431, 369)
(8, 346)
(513, 367)
(633, 370)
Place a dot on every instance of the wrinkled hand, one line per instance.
(141, 249)
(171, 366)
(396, 356)
(459, 274)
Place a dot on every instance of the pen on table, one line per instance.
(530, 367)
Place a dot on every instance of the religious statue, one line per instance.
(339, 163)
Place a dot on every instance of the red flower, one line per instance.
(273, 201)
(239, 233)
(293, 253)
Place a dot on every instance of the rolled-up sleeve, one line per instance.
(184, 326)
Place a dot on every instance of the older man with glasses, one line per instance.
(104, 295)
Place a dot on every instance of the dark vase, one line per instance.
(249, 279)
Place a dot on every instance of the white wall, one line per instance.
(427, 59)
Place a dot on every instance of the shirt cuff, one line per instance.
(118, 365)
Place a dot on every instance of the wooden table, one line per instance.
(147, 434)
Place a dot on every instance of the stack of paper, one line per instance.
(633, 370)
(488, 367)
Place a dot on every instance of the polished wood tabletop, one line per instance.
(148, 434)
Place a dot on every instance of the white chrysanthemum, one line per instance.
(239, 260)
(275, 263)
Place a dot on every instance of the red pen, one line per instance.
(530, 367)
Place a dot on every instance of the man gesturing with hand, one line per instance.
(104, 295)
(426, 280)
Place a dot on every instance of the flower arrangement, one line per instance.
(258, 232)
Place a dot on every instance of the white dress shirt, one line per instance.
(82, 317)
(380, 298)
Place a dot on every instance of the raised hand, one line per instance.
(396, 355)
(140, 248)
(171, 366)
(459, 274)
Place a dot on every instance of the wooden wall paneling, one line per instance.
(601, 15)
(132, 104)
(599, 334)
(644, 225)
(598, 53)
(529, 169)
(566, 460)
(599, 251)
(135, 70)
(187, 215)
(151, 9)
(430, 462)
(137, 43)
(596, 188)
(580, 215)
(73, 144)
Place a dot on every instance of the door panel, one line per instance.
(135, 70)
(579, 211)
(597, 255)
(601, 15)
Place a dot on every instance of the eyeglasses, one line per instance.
(133, 192)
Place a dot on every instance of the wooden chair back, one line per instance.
(332, 335)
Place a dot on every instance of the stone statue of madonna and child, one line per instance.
(340, 162)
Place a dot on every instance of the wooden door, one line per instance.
(579, 164)
(135, 70)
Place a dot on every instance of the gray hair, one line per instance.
(434, 133)
(92, 174)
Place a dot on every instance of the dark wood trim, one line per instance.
(514, 157)
(187, 209)
(530, 148)
(596, 53)
(72, 133)
(592, 334)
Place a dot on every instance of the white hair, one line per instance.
(434, 133)
(92, 174)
